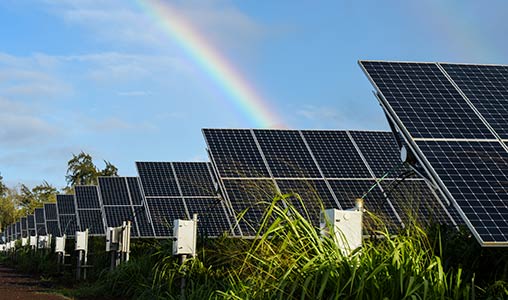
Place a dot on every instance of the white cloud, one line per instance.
(221, 22)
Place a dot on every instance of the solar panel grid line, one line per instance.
(477, 110)
(320, 170)
(394, 211)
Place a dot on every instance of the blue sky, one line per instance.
(103, 77)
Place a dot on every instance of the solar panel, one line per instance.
(194, 179)
(91, 219)
(118, 194)
(135, 191)
(66, 207)
(213, 218)
(68, 224)
(486, 86)
(163, 212)
(89, 209)
(50, 212)
(18, 229)
(235, 153)
(175, 187)
(336, 154)
(24, 227)
(453, 117)
(87, 197)
(66, 204)
(31, 225)
(114, 191)
(158, 179)
(425, 101)
(286, 154)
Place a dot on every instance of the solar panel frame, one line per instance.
(31, 225)
(480, 231)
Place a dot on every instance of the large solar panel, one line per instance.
(177, 190)
(24, 227)
(486, 86)
(325, 168)
(453, 117)
(18, 229)
(31, 225)
(121, 200)
(66, 206)
(89, 209)
(51, 216)
(40, 221)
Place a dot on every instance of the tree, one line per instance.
(82, 171)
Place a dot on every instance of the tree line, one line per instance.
(21, 200)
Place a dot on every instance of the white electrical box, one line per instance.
(33, 241)
(184, 233)
(113, 235)
(81, 241)
(60, 244)
(44, 242)
(24, 242)
(2, 247)
(345, 227)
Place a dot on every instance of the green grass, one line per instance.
(291, 260)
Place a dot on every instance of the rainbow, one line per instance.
(240, 93)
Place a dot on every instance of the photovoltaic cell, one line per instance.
(50, 212)
(158, 179)
(475, 174)
(68, 224)
(194, 178)
(163, 212)
(313, 194)
(53, 227)
(425, 101)
(145, 227)
(114, 191)
(247, 197)
(135, 191)
(91, 219)
(65, 204)
(486, 86)
(212, 218)
(87, 196)
(336, 154)
(31, 224)
(286, 154)
(381, 152)
(116, 215)
(24, 227)
(235, 153)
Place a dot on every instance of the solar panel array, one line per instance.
(331, 167)
(89, 209)
(122, 200)
(454, 117)
(67, 217)
(40, 221)
(177, 190)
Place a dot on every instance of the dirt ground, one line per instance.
(14, 285)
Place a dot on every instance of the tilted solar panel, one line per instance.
(31, 225)
(50, 211)
(114, 191)
(87, 196)
(486, 86)
(92, 220)
(453, 118)
(66, 204)
(158, 179)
